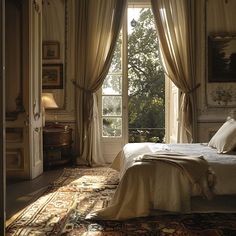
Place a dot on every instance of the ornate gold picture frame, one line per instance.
(52, 76)
(51, 50)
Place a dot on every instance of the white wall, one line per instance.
(213, 17)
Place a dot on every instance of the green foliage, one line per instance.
(145, 75)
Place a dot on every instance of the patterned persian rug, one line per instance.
(62, 210)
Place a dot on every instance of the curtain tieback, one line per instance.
(193, 89)
(81, 88)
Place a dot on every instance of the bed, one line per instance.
(155, 185)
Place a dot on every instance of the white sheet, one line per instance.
(147, 186)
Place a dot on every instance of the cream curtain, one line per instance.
(98, 27)
(175, 21)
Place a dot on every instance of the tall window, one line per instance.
(143, 77)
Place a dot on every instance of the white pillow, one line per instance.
(225, 138)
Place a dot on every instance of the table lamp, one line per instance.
(48, 101)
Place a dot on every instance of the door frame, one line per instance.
(117, 143)
(172, 102)
(2, 121)
(34, 73)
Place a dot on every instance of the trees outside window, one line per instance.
(146, 87)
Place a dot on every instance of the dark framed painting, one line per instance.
(51, 50)
(222, 59)
(52, 76)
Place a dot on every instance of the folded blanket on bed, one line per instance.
(195, 167)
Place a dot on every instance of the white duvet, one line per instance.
(146, 186)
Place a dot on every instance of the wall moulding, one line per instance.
(37, 6)
(55, 42)
(220, 75)
(64, 97)
(220, 57)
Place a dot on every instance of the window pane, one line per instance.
(111, 127)
(112, 85)
(111, 105)
(116, 61)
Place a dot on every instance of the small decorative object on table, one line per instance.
(57, 141)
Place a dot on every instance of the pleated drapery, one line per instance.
(175, 21)
(98, 27)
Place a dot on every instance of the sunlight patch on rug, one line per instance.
(69, 199)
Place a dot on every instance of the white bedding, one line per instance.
(224, 165)
(147, 186)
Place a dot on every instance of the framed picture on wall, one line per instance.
(51, 50)
(52, 76)
(222, 58)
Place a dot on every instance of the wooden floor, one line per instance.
(21, 193)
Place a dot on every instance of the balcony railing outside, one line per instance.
(138, 135)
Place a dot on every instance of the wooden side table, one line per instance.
(57, 141)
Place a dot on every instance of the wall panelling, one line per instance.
(214, 17)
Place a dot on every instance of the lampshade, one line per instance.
(48, 101)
